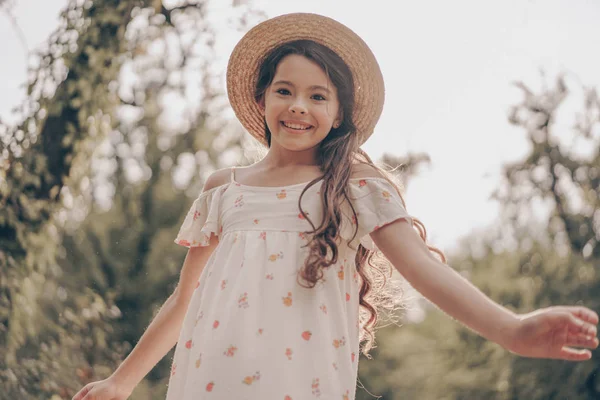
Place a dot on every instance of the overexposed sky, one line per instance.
(448, 68)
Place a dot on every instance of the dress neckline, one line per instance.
(251, 187)
(292, 186)
(283, 187)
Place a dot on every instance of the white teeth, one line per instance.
(296, 126)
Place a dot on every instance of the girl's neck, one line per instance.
(282, 158)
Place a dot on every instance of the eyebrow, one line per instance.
(313, 87)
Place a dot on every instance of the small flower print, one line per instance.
(223, 284)
(386, 195)
(315, 387)
(196, 215)
(287, 301)
(340, 273)
(306, 335)
(302, 235)
(188, 344)
(275, 257)
(337, 343)
(323, 308)
(346, 396)
(354, 220)
(263, 236)
(199, 360)
(282, 195)
(335, 366)
(173, 369)
(210, 386)
(300, 216)
(239, 202)
(255, 222)
(353, 356)
(362, 183)
(287, 398)
(347, 296)
(216, 324)
(355, 276)
(184, 242)
(243, 300)
(269, 277)
(250, 379)
(230, 352)
(259, 332)
(288, 353)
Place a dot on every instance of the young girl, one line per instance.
(279, 285)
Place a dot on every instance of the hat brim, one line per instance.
(257, 43)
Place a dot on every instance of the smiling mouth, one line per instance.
(296, 127)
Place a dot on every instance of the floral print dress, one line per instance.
(251, 330)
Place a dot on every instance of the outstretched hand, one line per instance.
(555, 332)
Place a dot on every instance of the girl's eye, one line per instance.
(282, 91)
(319, 97)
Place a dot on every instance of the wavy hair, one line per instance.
(337, 154)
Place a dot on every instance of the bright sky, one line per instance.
(448, 68)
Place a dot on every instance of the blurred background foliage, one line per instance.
(97, 177)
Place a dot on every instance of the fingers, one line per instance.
(81, 394)
(570, 354)
(579, 319)
(580, 340)
(582, 313)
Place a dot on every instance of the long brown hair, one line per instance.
(338, 153)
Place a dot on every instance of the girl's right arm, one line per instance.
(163, 332)
(160, 336)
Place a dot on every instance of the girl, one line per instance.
(280, 283)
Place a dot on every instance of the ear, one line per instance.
(338, 120)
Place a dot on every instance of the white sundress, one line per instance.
(251, 331)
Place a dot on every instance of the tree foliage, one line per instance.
(88, 189)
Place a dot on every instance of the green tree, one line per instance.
(61, 306)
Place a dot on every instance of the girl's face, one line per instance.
(300, 105)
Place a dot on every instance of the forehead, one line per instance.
(301, 71)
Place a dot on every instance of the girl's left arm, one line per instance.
(545, 333)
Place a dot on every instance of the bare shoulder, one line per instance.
(360, 170)
(217, 178)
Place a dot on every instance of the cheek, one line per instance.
(325, 116)
(274, 108)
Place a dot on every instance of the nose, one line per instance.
(297, 108)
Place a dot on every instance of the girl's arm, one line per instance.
(537, 334)
(163, 332)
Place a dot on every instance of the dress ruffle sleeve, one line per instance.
(377, 203)
(202, 220)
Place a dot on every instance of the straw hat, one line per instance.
(247, 56)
